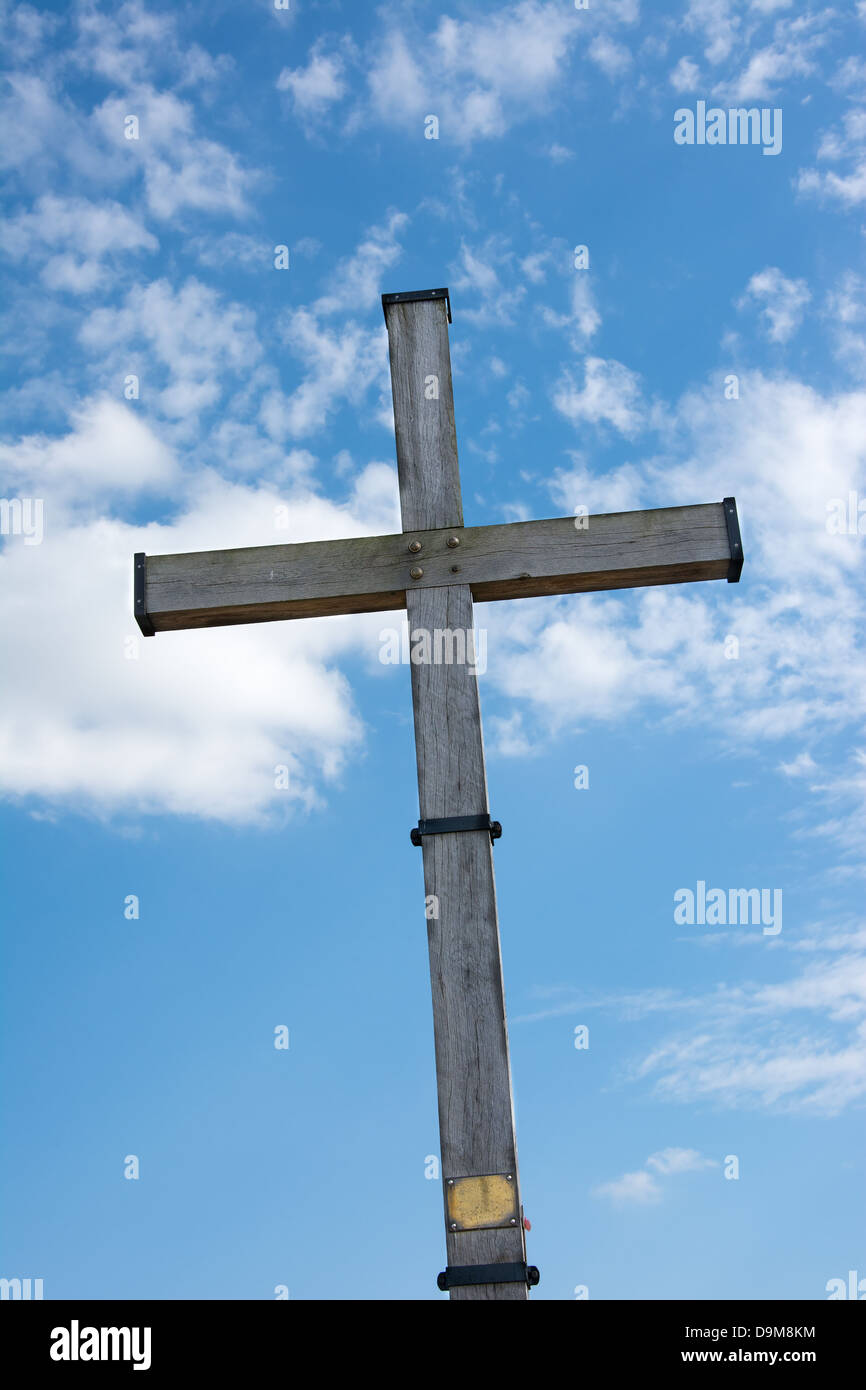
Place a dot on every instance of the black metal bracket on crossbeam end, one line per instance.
(458, 1276)
(139, 593)
(446, 825)
(735, 540)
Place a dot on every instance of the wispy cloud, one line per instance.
(643, 1187)
(795, 1044)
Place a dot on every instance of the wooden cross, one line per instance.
(436, 569)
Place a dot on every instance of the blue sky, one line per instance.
(714, 345)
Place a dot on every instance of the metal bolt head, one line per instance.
(414, 546)
(452, 542)
(509, 1177)
(514, 1220)
(450, 1182)
(454, 1225)
(415, 572)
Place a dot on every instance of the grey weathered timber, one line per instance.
(424, 415)
(370, 574)
(436, 568)
(473, 1074)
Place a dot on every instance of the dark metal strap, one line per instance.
(414, 296)
(456, 1276)
(140, 595)
(446, 825)
(735, 568)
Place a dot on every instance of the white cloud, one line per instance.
(755, 1045)
(180, 168)
(781, 301)
(613, 58)
(479, 76)
(845, 142)
(189, 344)
(340, 364)
(488, 272)
(801, 766)
(109, 450)
(24, 31)
(717, 24)
(669, 1161)
(357, 282)
(851, 72)
(768, 69)
(619, 490)
(801, 665)
(507, 736)
(848, 189)
(126, 43)
(534, 266)
(610, 395)
(754, 47)
(793, 1045)
(686, 76)
(845, 307)
(31, 114)
(98, 232)
(197, 722)
(640, 1187)
(239, 250)
(317, 86)
(583, 318)
(397, 83)
(190, 337)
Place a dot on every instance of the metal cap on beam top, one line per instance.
(414, 296)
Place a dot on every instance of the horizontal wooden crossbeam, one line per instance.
(370, 574)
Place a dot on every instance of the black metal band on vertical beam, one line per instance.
(459, 1276)
(140, 595)
(413, 297)
(448, 825)
(732, 521)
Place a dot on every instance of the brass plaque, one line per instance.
(473, 1204)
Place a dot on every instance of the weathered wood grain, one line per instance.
(366, 574)
(476, 1121)
(424, 415)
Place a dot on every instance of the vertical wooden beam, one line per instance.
(423, 413)
(476, 1114)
